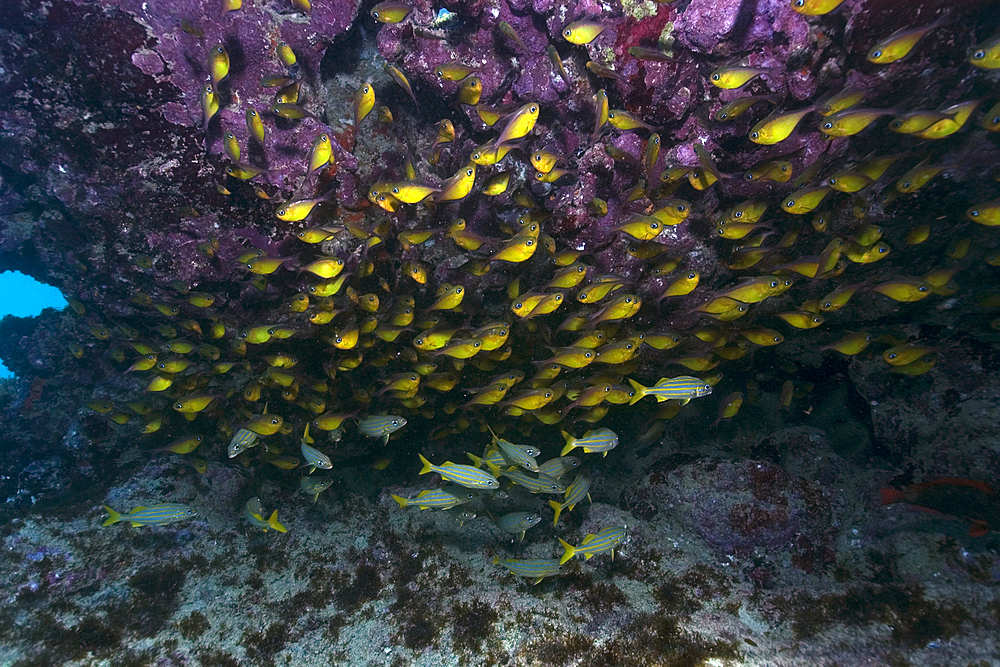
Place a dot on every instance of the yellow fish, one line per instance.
(621, 308)
(986, 213)
(805, 200)
(195, 403)
(845, 99)
(901, 355)
(470, 90)
(904, 289)
(364, 102)
(410, 192)
(641, 227)
(734, 76)
(815, 7)
(582, 32)
(850, 344)
(459, 185)
(778, 126)
(918, 177)
(321, 153)
(801, 319)
(295, 211)
(681, 286)
(851, 121)
(518, 249)
(390, 11)
(453, 71)
(209, 105)
(987, 54)
(449, 299)
(922, 232)
(520, 124)
(899, 44)
(497, 184)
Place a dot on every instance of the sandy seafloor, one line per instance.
(359, 581)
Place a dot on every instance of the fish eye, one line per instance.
(628, 346)
(476, 344)
(476, 157)
(529, 243)
(883, 249)
(367, 89)
(252, 113)
(774, 283)
(458, 290)
(906, 185)
(738, 214)
(654, 225)
(395, 191)
(828, 125)
(755, 135)
(876, 54)
(748, 176)
(611, 114)
(800, 3)
(548, 394)
(338, 339)
(722, 115)
(828, 304)
(832, 181)
(468, 172)
(588, 355)
(518, 306)
(979, 55)
(777, 339)
(716, 77)
(790, 203)
(656, 141)
(692, 275)
(974, 213)
(567, 33)
(533, 109)
(923, 288)
(893, 356)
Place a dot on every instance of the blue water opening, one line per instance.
(24, 296)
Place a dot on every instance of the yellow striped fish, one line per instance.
(683, 388)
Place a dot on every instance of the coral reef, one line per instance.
(384, 238)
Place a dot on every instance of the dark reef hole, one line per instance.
(364, 587)
(155, 596)
(914, 619)
(261, 647)
(472, 624)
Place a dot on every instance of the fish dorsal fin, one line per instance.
(588, 538)
(137, 509)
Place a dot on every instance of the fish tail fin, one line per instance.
(890, 496)
(640, 391)
(113, 516)
(570, 443)
(274, 523)
(570, 551)
(403, 502)
(427, 465)
(558, 509)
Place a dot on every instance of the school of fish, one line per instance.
(408, 311)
